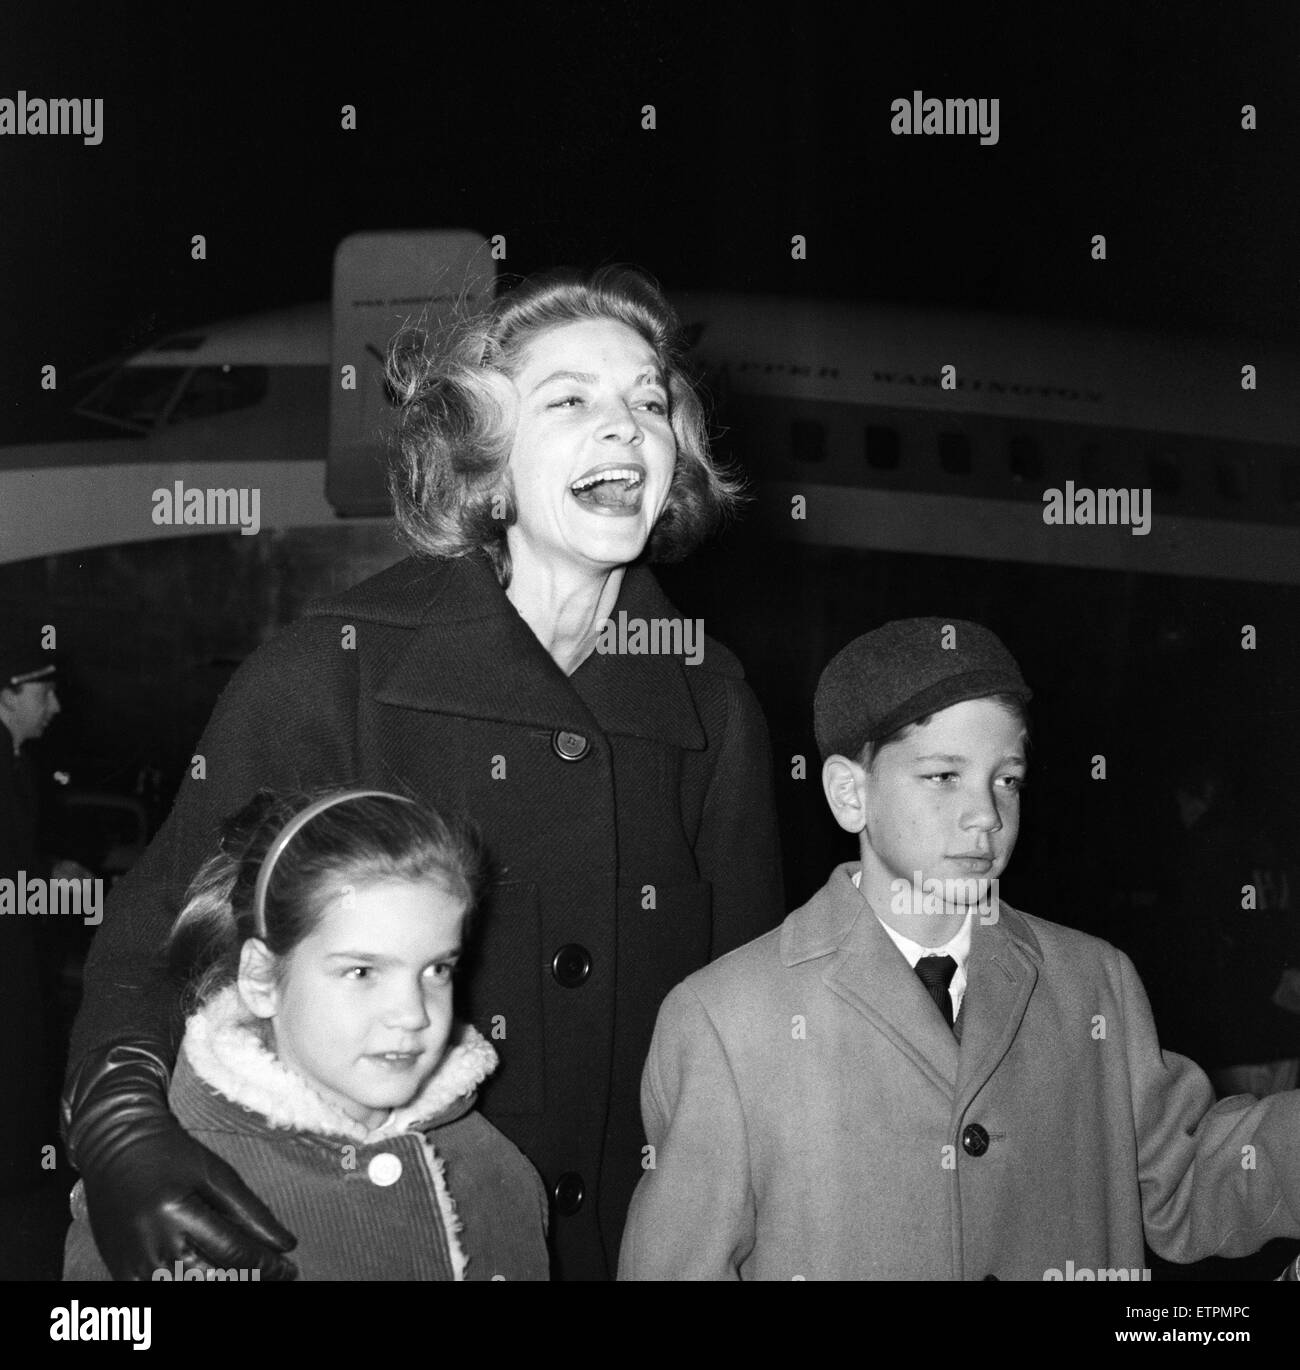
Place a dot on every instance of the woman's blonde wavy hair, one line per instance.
(449, 484)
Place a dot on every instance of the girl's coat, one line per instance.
(434, 1193)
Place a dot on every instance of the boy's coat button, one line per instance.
(384, 1169)
(974, 1140)
(568, 1192)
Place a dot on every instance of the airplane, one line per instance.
(843, 408)
(844, 405)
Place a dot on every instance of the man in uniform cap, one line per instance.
(28, 702)
(909, 1079)
(28, 1075)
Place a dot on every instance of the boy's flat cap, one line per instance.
(903, 671)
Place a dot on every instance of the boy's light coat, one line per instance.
(807, 1106)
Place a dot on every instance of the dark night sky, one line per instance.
(531, 127)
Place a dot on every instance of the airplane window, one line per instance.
(219, 390)
(882, 448)
(1164, 475)
(1024, 459)
(1229, 481)
(133, 396)
(954, 453)
(808, 440)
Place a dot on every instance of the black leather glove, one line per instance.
(154, 1195)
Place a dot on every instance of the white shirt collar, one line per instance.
(957, 946)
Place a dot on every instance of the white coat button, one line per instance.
(385, 1169)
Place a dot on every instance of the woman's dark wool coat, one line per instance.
(628, 808)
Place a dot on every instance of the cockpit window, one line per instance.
(133, 397)
(218, 390)
(142, 397)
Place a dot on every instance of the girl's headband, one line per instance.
(291, 828)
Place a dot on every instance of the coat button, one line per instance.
(568, 1192)
(571, 965)
(570, 746)
(974, 1140)
(384, 1169)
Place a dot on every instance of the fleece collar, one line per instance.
(225, 1049)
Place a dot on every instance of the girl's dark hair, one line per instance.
(459, 415)
(359, 840)
(1013, 704)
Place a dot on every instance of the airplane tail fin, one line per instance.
(384, 282)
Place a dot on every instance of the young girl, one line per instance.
(321, 1059)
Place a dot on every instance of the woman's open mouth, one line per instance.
(610, 489)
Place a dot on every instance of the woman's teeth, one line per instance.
(619, 488)
(628, 475)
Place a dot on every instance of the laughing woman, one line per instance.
(547, 454)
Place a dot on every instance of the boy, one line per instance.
(819, 1109)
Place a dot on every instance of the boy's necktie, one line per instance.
(936, 974)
